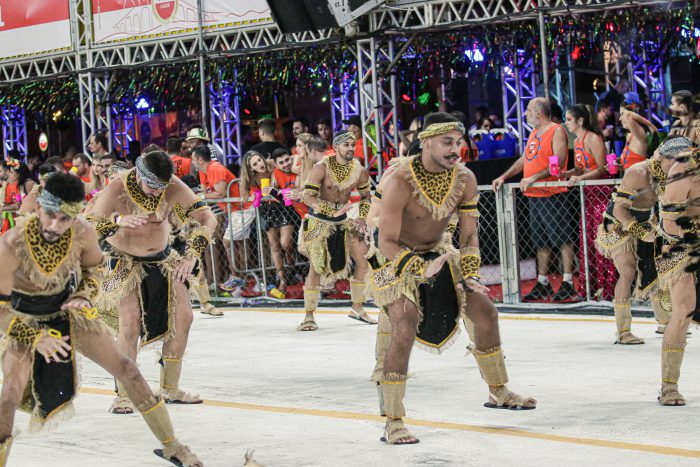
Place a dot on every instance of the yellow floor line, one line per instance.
(325, 311)
(648, 448)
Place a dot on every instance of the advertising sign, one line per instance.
(33, 26)
(121, 20)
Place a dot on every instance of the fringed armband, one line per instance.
(470, 263)
(185, 214)
(672, 211)
(198, 240)
(312, 190)
(451, 226)
(105, 226)
(623, 196)
(377, 194)
(407, 262)
(90, 283)
(470, 208)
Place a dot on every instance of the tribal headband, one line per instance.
(149, 177)
(342, 137)
(437, 129)
(53, 203)
(672, 147)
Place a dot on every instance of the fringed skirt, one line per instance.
(49, 394)
(150, 277)
(438, 300)
(325, 241)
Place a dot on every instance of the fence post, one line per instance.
(584, 230)
(510, 210)
(504, 256)
(260, 250)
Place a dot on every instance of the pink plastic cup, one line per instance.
(554, 166)
(285, 193)
(257, 198)
(612, 164)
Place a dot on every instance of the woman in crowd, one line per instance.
(30, 202)
(590, 164)
(19, 184)
(643, 138)
(277, 219)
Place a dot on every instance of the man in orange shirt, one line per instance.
(181, 164)
(551, 222)
(354, 126)
(325, 131)
(81, 167)
(215, 178)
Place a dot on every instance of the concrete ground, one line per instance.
(303, 399)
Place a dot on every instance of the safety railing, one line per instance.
(516, 233)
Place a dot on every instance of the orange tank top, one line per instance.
(582, 158)
(629, 157)
(537, 153)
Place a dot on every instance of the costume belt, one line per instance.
(38, 305)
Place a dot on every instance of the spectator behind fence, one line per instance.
(300, 126)
(98, 144)
(324, 128)
(549, 207)
(687, 122)
(643, 138)
(82, 166)
(590, 164)
(215, 178)
(268, 143)
(278, 219)
(182, 165)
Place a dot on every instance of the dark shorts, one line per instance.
(553, 222)
(275, 215)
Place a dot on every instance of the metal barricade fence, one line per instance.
(241, 247)
(551, 231)
(513, 229)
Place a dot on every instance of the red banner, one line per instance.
(33, 26)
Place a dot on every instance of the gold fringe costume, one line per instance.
(638, 237)
(438, 300)
(55, 269)
(324, 237)
(150, 277)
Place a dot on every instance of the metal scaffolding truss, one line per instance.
(377, 97)
(225, 118)
(519, 87)
(562, 85)
(649, 78)
(14, 129)
(416, 15)
(344, 99)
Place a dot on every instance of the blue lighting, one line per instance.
(142, 104)
(474, 55)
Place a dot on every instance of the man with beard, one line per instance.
(424, 284)
(146, 290)
(282, 219)
(549, 208)
(329, 238)
(197, 136)
(45, 320)
(300, 125)
(82, 165)
(687, 123)
(628, 236)
(182, 164)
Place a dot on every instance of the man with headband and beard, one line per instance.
(329, 238)
(145, 293)
(52, 270)
(424, 284)
(687, 123)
